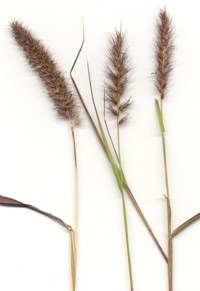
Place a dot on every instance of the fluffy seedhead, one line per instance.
(117, 77)
(42, 62)
(164, 52)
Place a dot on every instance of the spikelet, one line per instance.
(164, 52)
(42, 62)
(117, 77)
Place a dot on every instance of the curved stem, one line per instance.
(7, 201)
(185, 224)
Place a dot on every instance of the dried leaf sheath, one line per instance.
(41, 61)
(164, 52)
(117, 77)
(7, 201)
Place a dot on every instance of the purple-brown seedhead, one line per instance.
(164, 52)
(117, 77)
(42, 62)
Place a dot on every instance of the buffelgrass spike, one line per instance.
(163, 52)
(117, 76)
(64, 101)
(42, 62)
(164, 58)
(117, 80)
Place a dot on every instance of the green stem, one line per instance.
(117, 172)
(114, 166)
(76, 211)
(142, 216)
(103, 136)
(166, 184)
(74, 233)
(169, 215)
(124, 211)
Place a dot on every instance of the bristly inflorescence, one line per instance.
(42, 62)
(117, 77)
(164, 52)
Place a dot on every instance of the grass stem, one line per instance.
(76, 212)
(185, 224)
(144, 220)
(73, 258)
(74, 233)
(124, 210)
(114, 167)
(169, 214)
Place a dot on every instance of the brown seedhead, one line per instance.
(117, 77)
(42, 62)
(164, 52)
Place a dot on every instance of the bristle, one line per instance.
(164, 52)
(42, 62)
(117, 76)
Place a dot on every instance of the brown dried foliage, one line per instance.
(117, 77)
(42, 62)
(164, 52)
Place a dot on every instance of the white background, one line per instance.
(36, 152)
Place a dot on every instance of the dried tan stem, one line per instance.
(7, 201)
(73, 258)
